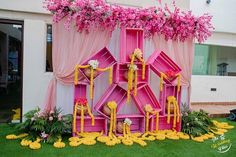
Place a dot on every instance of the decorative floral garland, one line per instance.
(149, 110)
(172, 100)
(92, 65)
(128, 138)
(82, 102)
(133, 72)
(173, 25)
(167, 76)
(111, 139)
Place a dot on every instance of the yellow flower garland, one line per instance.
(149, 110)
(135, 82)
(74, 117)
(91, 83)
(129, 138)
(143, 70)
(161, 80)
(35, 145)
(90, 114)
(179, 83)
(13, 136)
(136, 54)
(110, 69)
(130, 82)
(82, 117)
(86, 139)
(112, 105)
(174, 121)
(147, 121)
(157, 121)
(59, 144)
(172, 100)
(76, 75)
(164, 76)
(25, 142)
(111, 139)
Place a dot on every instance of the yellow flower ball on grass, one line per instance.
(34, 145)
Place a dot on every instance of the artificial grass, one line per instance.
(166, 148)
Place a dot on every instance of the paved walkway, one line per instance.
(216, 110)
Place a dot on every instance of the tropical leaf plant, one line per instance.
(49, 125)
(196, 123)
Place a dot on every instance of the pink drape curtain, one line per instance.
(182, 53)
(70, 48)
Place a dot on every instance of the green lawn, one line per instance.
(179, 148)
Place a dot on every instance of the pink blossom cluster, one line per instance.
(81, 101)
(170, 74)
(175, 25)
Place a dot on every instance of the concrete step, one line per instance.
(215, 109)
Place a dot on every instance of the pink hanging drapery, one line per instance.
(182, 53)
(70, 48)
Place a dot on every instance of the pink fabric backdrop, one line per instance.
(182, 53)
(71, 48)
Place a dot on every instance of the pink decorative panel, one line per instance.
(160, 62)
(105, 59)
(121, 74)
(80, 91)
(130, 39)
(146, 96)
(113, 93)
(138, 122)
(163, 125)
(100, 124)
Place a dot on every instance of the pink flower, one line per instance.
(170, 74)
(41, 114)
(51, 112)
(50, 118)
(59, 117)
(81, 101)
(174, 25)
(44, 135)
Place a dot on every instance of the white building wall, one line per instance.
(225, 89)
(35, 77)
(33, 6)
(223, 12)
(224, 21)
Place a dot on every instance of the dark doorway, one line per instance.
(11, 53)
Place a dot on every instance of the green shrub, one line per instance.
(196, 123)
(49, 126)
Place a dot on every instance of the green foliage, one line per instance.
(196, 123)
(49, 126)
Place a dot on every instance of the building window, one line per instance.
(49, 67)
(214, 60)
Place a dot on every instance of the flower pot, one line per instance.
(87, 72)
(126, 75)
(171, 108)
(79, 110)
(119, 127)
(106, 110)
